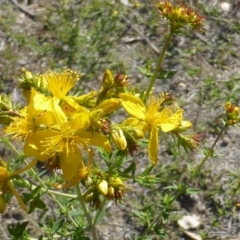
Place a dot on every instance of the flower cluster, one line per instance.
(232, 113)
(59, 128)
(180, 16)
(111, 187)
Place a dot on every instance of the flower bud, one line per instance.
(185, 125)
(105, 126)
(108, 105)
(136, 133)
(3, 175)
(110, 192)
(102, 186)
(2, 204)
(118, 138)
(115, 182)
(88, 197)
(108, 79)
(121, 80)
(228, 106)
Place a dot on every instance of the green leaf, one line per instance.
(147, 171)
(79, 235)
(36, 191)
(165, 215)
(166, 74)
(36, 203)
(174, 186)
(193, 190)
(145, 71)
(75, 213)
(142, 215)
(131, 168)
(160, 232)
(101, 215)
(57, 225)
(26, 197)
(120, 157)
(18, 230)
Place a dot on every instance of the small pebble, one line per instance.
(189, 221)
(225, 6)
(125, 2)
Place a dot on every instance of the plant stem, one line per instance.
(159, 63)
(99, 211)
(52, 196)
(46, 190)
(208, 154)
(150, 226)
(16, 194)
(6, 140)
(17, 172)
(58, 193)
(87, 214)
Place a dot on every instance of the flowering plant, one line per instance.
(65, 131)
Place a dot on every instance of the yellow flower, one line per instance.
(81, 174)
(21, 127)
(152, 118)
(61, 83)
(40, 113)
(65, 141)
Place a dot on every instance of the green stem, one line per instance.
(87, 214)
(209, 153)
(58, 193)
(6, 140)
(52, 196)
(17, 172)
(159, 63)
(16, 194)
(46, 190)
(150, 226)
(99, 211)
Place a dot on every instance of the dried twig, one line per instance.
(24, 10)
(143, 36)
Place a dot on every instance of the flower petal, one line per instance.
(133, 105)
(153, 145)
(96, 139)
(172, 122)
(80, 120)
(34, 147)
(70, 163)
